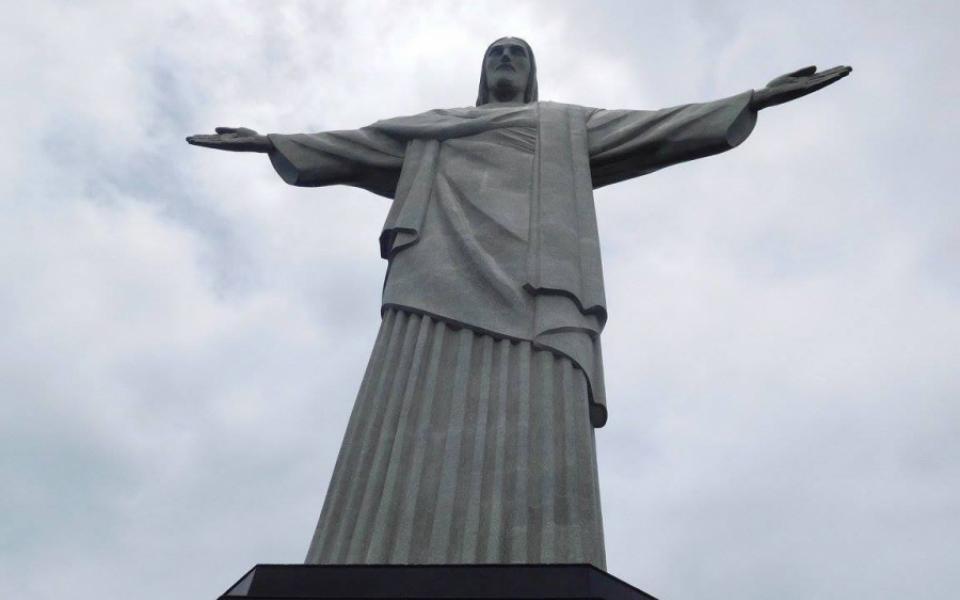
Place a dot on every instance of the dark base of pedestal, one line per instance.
(478, 582)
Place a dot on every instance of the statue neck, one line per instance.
(505, 94)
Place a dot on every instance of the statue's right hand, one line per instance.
(235, 139)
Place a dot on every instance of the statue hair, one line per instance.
(529, 94)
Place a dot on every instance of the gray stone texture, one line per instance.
(463, 448)
(493, 224)
(471, 438)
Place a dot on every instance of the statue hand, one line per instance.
(235, 139)
(796, 84)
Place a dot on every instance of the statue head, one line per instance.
(508, 66)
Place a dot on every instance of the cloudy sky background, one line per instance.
(182, 335)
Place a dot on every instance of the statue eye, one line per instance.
(497, 51)
(518, 51)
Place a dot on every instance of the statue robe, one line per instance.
(492, 230)
(493, 224)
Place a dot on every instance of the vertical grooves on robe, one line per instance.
(571, 473)
(471, 527)
(373, 490)
(390, 500)
(596, 516)
(517, 548)
(365, 442)
(547, 473)
(591, 493)
(404, 525)
(447, 492)
(323, 545)
(497, 492)
(463, 449)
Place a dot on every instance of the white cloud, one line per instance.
(183, 334)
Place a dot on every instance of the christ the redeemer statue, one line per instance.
(471, 440)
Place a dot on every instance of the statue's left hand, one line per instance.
(796, 84)
(235, 139)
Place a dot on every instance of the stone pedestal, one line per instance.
(474, 582)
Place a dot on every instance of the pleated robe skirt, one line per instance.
(463, 448)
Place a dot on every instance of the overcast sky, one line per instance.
(182, 334)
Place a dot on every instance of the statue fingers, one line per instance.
(829, 76)
(841, 71)
(207, 141)
(781, 80)
(792, 76)
(822, 82)
(810, 70)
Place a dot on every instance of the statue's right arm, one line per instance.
(234, 139)
(363, 157)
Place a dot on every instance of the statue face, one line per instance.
(507, 65)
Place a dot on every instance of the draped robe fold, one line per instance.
(493, 225)
(493, 229)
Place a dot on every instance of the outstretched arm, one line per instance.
(795, 85)
(363, 157)
(629, 143)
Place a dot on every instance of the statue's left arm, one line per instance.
(629, 143)
(365, 158)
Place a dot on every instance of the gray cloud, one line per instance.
(183, 334)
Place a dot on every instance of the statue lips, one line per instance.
(505, 66)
